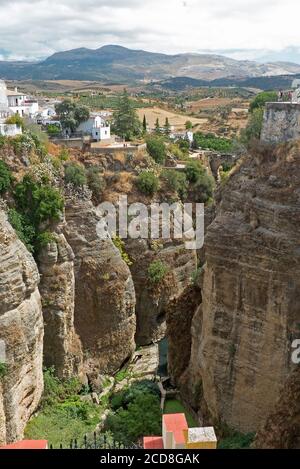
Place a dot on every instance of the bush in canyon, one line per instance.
(36, 203)
(124, 397)
(148, 182)
(75, 174)
(63, 416)
(6, 177)
(141, 417)
(120, 245)
(193, 171)
(157, 271)
(95, 181)
(157, 149)
(176, 181)
(39, 202)
(23, 228)
(3, 370)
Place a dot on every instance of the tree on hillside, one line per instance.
(261, 99)
(126, 123)
(71, 114)
(157, 127)
(188, 125)
(254, 127)
(156, 149)
(167, 127)
(144, 124)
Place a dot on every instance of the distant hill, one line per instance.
(263, 83)
(119, 64)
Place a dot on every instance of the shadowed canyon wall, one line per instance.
(21, 332)
(243, 331)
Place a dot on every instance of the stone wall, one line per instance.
(281, 122)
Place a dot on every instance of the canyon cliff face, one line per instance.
(153, 300)
(21, 334)
(243, 331)
(62, 347)
(104, 293)
(282, 429)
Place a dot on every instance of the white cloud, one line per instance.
(37, 28)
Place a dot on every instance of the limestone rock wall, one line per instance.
(282, 429)
(62, 347)
(152, 300)
(281, 122)
(21, 332)
(104, 292)
(243, 331)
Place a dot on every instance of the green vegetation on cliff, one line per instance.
(63, 415)
(211, 142)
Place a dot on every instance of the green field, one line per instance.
(173, 406)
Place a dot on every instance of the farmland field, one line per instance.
(176, 120)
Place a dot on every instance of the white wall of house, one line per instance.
(96, 127)
(10, 130)
(20, 104)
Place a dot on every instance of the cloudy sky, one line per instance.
(254, 29)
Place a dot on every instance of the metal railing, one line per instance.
(97, 441)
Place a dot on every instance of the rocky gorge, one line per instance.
(230, 312)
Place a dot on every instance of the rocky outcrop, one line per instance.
(21, 335)
(243, 331)
(281, 122)
(104, 292)
(152, 300)
(282, 429)
(180, 313)
(62, 347)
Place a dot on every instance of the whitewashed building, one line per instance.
(97, 127)
(21, 104)
(8, 130)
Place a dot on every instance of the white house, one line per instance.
(96, 127)
(21, 104)
(9, 130)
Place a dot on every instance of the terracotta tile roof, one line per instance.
(153, 442)
(27, 444)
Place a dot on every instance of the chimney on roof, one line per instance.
(16, 89)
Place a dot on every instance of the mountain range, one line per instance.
(118, 64)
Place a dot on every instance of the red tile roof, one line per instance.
(153, 442)
(176, 423)
(27, 444)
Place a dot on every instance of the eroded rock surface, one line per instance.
(243, 331)
(21, 334)
(104, 293)
(62, 347)
(153, 299)
(282, 429)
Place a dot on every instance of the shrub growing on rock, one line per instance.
(5, 177)
(75, 174)
(156, 149)
(157, 271)
(141, 417)
(148, 183)
(176, 181)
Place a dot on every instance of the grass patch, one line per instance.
(173, 406)
(63, 416)
(237, 441)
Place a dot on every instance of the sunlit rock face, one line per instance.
(242, 333)
(105, 318)
(21, 335)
